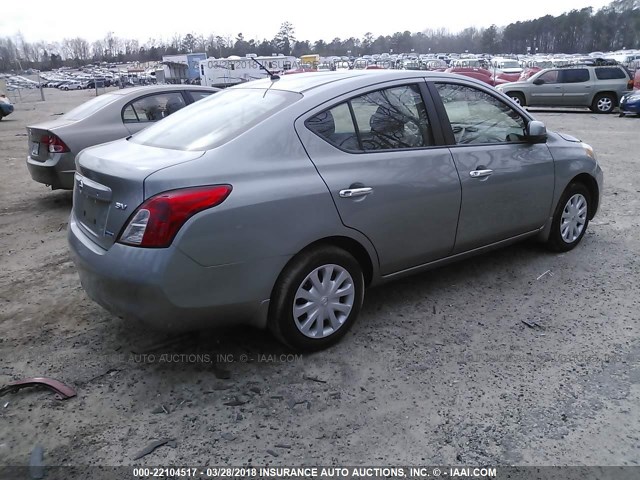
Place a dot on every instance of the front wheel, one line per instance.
(317, 298)
(517, 98)
(571, 218)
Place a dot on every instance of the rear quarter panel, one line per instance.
(278, 205)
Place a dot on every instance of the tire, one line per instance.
(295, 289)
(575, 207)
(604, 103)
(517, 98)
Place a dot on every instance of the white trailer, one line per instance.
(224, 72)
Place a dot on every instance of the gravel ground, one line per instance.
(440, 368)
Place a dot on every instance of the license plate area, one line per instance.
(91, 202)
(35, 149)
(92, 213)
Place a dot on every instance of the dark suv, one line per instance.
(597, 87)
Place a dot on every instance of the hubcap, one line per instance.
(574, 217)
(604, 104)
(515, 100)
(323, 301)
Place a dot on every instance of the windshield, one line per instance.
(216, 119)
(90, 107)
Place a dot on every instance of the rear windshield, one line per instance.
(90, 107)
(215, 120)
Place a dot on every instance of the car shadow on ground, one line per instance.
(246, 342)
(55, 200)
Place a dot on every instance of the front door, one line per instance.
(507, 183)
(548, 93)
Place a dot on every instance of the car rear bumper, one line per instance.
(5, 109)
(57, 171)
(166, 289)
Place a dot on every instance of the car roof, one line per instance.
(161, 88)
(304, 82)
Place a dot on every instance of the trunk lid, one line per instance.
(38, 150)
(109, 184)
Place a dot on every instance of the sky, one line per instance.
(143, 19)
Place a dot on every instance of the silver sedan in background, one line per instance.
(53, 145)
(276, 202)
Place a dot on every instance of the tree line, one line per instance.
(612, 27)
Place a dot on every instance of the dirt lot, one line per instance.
(440, 368)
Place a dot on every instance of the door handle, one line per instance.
(355, 192)
(480, 173)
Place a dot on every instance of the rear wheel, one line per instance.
(603, 103)
(317, 298)
(517, 98)
(571, 218)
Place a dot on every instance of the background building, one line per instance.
(182, 68)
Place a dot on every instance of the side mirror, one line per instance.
(538, 81)
(536, 132)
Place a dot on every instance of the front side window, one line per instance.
(549, 77)
(477, 117)
(393, 118)
(575, 75)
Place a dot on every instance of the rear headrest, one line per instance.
(323, 124)
(386, 120)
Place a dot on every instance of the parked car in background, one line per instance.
(630, 103)
(6, 107)
(599, 88)
(72, 85)
(532, 67)
(481, 74)
(274, 203)
(506, 68)
(53, 145)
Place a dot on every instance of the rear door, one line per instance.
(507, 184)
(387, 170)
(578, 86)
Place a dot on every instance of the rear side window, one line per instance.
(215, 120)
(394, 118)
(336, 126)
(575, 75)
(608, 73)
(153, 107)
(199, 94)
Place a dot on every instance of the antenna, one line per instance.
(272, 75)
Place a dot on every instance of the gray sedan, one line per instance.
(276, 202)
(53, 145)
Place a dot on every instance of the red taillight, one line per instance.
(156, 222)
(55, 144)
(630, 84)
